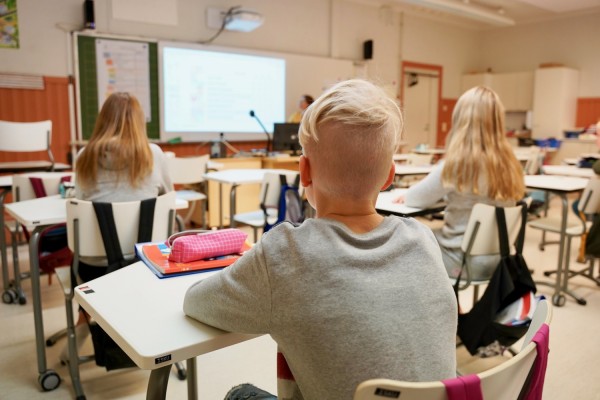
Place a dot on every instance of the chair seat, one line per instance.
(554, 225)
(256, 218)
(190, 195)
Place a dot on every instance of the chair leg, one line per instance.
(16, 269)
(73, 357)
(51, 341)
(568, 275)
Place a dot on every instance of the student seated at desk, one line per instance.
(479, 167)
(348, 295)
(118, 164)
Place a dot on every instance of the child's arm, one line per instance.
(428, 191)
(237, 299)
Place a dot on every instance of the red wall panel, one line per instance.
(588, 111)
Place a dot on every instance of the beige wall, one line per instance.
(431, 42)
(334, 28)
(573, 42)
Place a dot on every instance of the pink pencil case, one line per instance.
(193, 246)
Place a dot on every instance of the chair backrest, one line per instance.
(589, 202)
(482, 232)
(270, 189)
(26, 136)
(503, 382)
(126, 214)
(187, 170)
(418, 159)
(534, 161)
(22, 188)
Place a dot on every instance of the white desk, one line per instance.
(560, 186)
(429, 150)
(30, 166)
(385, 205)
(38, 214)
(146, 320)
(405, 170)
(568, 170)
(235, 178)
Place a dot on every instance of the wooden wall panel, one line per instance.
(588, 111)
(29, 105)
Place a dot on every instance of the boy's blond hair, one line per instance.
(479, 158)
(349, 135)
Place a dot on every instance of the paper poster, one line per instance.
(9, 26)
(123, 67)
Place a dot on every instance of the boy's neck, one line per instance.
(358, 217)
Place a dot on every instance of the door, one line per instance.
(420, 109)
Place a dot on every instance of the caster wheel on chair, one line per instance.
(558, 300)
(9, 296)
(49, 380)
(22, 300)
(583, 302)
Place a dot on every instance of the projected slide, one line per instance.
(207, 91)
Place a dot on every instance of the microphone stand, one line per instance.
(253, 115)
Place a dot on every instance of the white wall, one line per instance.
(573, 42)
(431, 42)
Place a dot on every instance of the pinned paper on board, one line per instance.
(123, 66)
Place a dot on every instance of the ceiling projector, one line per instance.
(243, 20)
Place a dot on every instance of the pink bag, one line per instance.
(193, 246)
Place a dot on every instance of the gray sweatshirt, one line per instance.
(342, 307)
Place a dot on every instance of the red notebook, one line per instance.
(156, 257)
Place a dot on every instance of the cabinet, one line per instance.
(515, 89)
(554, 101)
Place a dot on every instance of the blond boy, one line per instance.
(349, 295)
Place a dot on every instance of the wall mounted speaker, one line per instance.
(88, 14)
(367, 49)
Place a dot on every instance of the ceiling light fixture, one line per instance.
(464, 9)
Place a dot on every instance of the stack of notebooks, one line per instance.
(156, 257)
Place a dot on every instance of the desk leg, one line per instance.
(192, 380)
(5, 278)
(47, 378)
(232, 205)
(157, 384)
(220, 206)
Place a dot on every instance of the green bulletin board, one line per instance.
(88, 85)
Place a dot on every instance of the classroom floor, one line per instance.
(572, 369)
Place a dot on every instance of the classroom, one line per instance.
(539, 56)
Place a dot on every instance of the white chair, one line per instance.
(270, 191)
(25, 137)
(23, 189)
(481, 238)
(85, 240)
(189, 171)
(507, 381)
(589, 204)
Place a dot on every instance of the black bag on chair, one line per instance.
(510, 281)
(107, 352)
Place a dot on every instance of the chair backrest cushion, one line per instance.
(23, 189)
(487, 241)
(126, 216)
(270, 189)
(590, 198)
(187, 170)
(25, 136)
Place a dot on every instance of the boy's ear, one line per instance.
(390, 177)
(304, 167)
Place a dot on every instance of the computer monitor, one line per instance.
(285, 137)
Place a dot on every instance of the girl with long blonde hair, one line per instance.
(479, 167)
(119, 163)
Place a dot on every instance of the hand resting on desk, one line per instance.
(398, 200)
